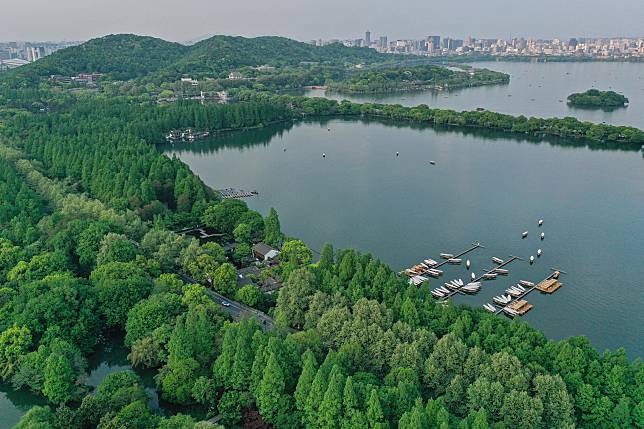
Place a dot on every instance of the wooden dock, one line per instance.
(475, 246)
(521, 306)
(554, 276)
(236, 193)
(479, 278)
(549, 285)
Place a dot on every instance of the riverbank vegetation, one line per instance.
(421, 77)
(596, 98)
(87, 249)
(568, 127)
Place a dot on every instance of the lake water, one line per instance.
(484, 186)
(536, 89)
(110, 356)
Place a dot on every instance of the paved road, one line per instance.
(237, 310)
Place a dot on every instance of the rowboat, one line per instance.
(496, 260)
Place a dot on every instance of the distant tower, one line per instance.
(367, 38)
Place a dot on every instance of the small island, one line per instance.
(599, 99)
(423, 77)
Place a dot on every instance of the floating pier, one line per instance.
(483, 276)
(236, 193)
(546, 281)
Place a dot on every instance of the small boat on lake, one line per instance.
(430, 262)
(489, 276)
(525, 234)
(540, 222)
(526, 283)
(432, 162)
(496, 260)
(538, 252)
(489, 307)
(531, 259)
(467, 264)
(454, 261)
(501, 271)
(446, 255)
(543, 235)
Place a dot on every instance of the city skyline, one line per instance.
(306, 19)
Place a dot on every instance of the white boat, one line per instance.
(490, 308)
(525, 234)
(454, 261)
(467, 264)
(531, 259)
(526, 283)
(460, 282)
(432, 273)
(430, 262)
(521, 288)
(538, 252)
(432, 162)
(451, 286)
(489, 276)
(436, 294)
(473, 276)
(502, 299)
(540, 222)
(443, 289)
(501, 271)
(543, 235)
(496, 260)
(446, 255)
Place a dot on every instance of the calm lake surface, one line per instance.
(484, 187)
(535, 89)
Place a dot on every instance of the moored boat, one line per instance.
(543, 235)
(467, 264)
(501, 271)
(538, 252)
(454, 261)
(496, 260)
(524, 234)
(446, 255)
(526, 283)
(489, 276)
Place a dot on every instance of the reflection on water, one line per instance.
(535, 89)
(485, 186)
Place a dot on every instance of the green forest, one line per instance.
(596, 98)
(88, 252)
(417, 78)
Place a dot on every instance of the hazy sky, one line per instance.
(183, 20)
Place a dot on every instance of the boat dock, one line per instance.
(425, 271)
(549, 285)
(236, 193)
(553, 276)
(481, 277)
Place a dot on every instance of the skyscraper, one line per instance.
(367, 38)
(383, 42)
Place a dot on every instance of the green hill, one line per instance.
(128, 56)
(222, 53)
(121, 57)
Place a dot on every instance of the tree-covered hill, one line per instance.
(121, 57)
(222, 53)
(597, 98)
(128, 56)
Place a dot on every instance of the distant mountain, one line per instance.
(128, 56)
(123, 56)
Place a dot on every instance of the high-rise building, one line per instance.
(434, 42)
(383, 42)
(367, 38)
